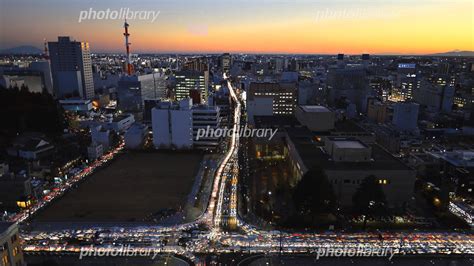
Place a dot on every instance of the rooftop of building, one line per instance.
(121, 117)
(314, 108)
(272, 86)
(347, 143)
(74, 101)
(458, 158)
(312, 153)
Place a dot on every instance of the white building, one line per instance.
(121, 122)
(205, 117)
(315, 117)
(175, 125)
(172, 125)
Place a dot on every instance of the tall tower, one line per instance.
(129, 89)
(128, 65)
(45, 52)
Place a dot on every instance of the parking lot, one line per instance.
(131, 188)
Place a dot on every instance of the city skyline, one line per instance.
(237, 132)
(324, 27)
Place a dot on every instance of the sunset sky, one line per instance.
(280, 26)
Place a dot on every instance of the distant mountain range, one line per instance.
(24, 49)
(29, 49)
(455, 53)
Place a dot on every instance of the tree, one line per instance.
(369, 198)
(314, 194)
(24, 111)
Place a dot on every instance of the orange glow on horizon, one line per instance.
(405, 28)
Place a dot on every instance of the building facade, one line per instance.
(71, 68)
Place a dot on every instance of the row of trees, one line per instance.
(22, 111)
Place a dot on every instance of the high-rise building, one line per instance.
(71, 68)
(191, 80)
(196, 64)
(271, 99)
(226, 61)
(172, 125)
(129, 94)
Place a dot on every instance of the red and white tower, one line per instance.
(128, 65)
(45, 52)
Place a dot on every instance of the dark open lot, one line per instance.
(132, 187)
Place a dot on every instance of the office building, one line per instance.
(44, 66)
(187, 81)
(317, 118)
(102, 136)
(176, 125)
(95, 151)
(121, 122)
(14, 188)
(71, 68)
(135, 136)
(347, 162)
(198, 64)
(129, 94)
(377, 111)
(436, 97)
(76, 105)
(172, 125)
(405, 116)
(226, 62)
(35, 76)
(205, 117)
(348, 84)
(271, 99)
(10, 248)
